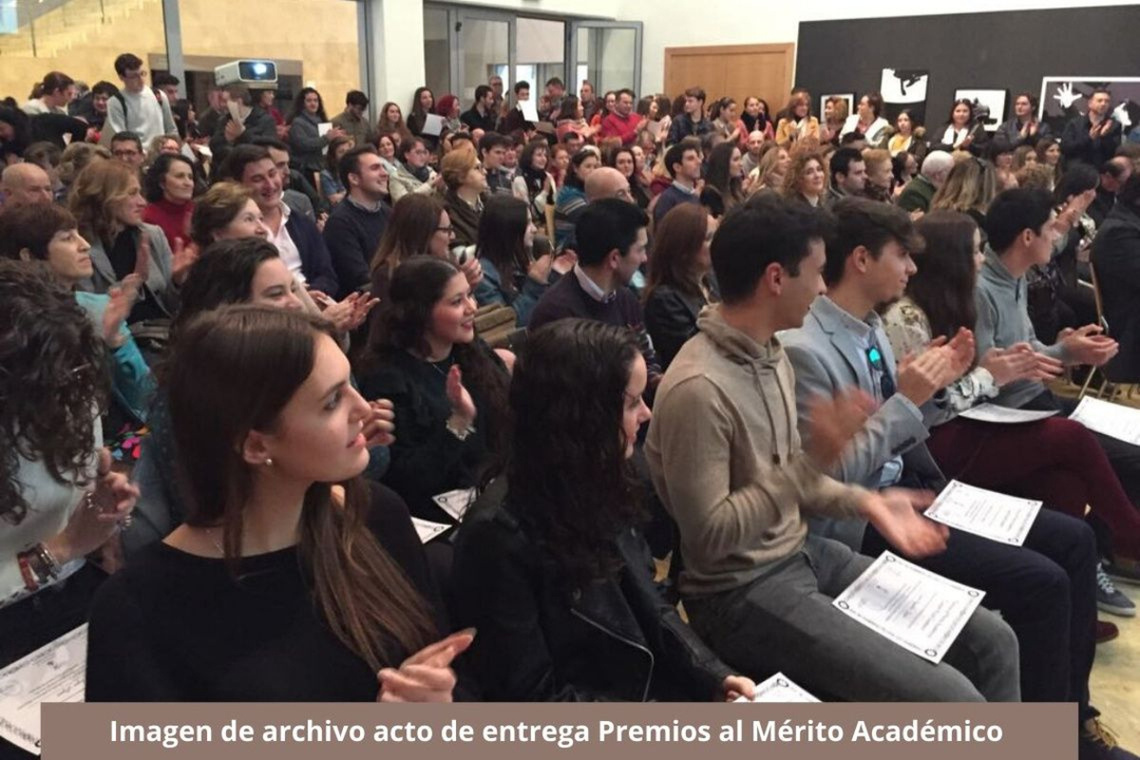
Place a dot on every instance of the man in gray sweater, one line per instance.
(725, 457)
(1022, 230)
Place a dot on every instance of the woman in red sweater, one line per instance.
(169, 194)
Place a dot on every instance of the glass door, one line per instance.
(608, 53)
(486, 46)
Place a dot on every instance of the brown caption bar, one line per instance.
(568, 732)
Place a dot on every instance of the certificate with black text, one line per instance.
(1113, 420)
(55, 672)
(427, 529)
(992, 515)
(779, 688)
(919, 610)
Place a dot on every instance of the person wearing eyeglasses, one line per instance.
(137, 108)
(413, 174)
(1044, 589)
(356, 224)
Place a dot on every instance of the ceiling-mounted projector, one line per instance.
(253, 73)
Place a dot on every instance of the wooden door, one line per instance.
(737, 71)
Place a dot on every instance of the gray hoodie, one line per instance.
(724, 453)
(1003, 320)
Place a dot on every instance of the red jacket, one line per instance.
(615, 126)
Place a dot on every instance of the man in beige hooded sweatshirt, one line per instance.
(726, 459)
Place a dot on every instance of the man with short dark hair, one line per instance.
(298, 241)
(623, 123)
(58, 91)
(356, 224)
(136, 108)
(848, 175)
(610, 240)
(253, 122)
(514, 118)
(683, 162)
(492, 150)
(589, 100)
(92, 107)
(1092, 137)
(298, 193)
(551, 100)
(1023, 230)
(1045, 589)
(128, 148)
(726, 460)
(167, 84)
(353, 119)
(482, 114)
(691, 123)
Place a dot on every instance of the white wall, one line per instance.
(672, 23)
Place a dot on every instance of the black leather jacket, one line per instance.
(617, 639)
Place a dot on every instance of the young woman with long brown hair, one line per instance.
(291, 579)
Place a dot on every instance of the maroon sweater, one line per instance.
(173, 218)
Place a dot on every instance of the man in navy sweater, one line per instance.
(611, 243)
(683, 161)
(356, 224)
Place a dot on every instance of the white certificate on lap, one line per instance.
(1004, 415)
(992, 515)
(779, 688)
(55, 672)
(1106, 418)
(919, 610)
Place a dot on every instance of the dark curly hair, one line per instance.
(402, 322)
(152, 182)
(569, 482)
(53, 382)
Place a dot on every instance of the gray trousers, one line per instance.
(784, 621)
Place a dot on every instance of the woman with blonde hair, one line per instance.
(798, 124)
(107, 201)
(970, 187)
(769, 172)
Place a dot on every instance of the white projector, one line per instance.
(254, 73)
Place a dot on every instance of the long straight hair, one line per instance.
(676, 242)
(943, 286)
(232, 371)
(502, 228)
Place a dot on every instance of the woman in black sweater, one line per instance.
(558, 577)
(448, 389)
(680, 278)
(280, 585)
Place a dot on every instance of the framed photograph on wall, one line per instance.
(992, 100)
(904, 88)
(848, 97)
(1063, 99)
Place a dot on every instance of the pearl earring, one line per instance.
(268, 461)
